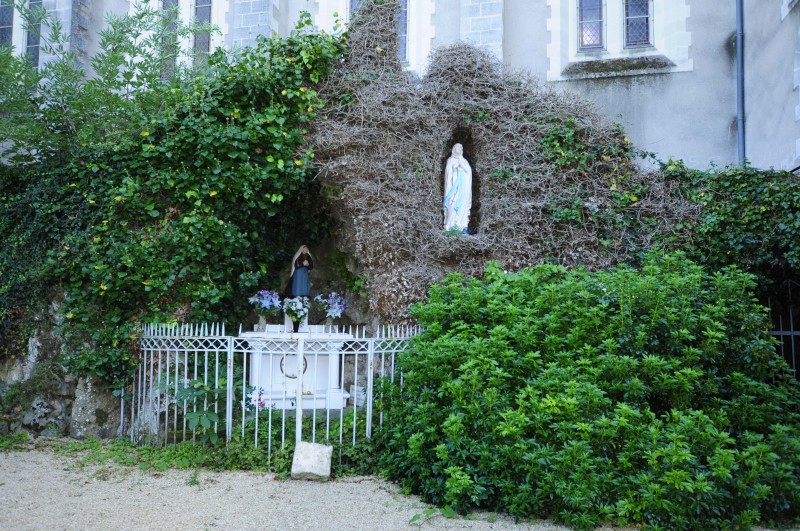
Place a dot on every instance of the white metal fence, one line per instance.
(197, 382)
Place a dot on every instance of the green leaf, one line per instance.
(448, 512)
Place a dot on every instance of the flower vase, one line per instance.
(295, 326)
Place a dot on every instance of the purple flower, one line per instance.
(332, 304)
(266, 302)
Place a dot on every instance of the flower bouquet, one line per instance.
(332, 304)
(296, 308)
(267, 303)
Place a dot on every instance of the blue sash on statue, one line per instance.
(457, 188)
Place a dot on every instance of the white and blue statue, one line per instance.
(457, 191)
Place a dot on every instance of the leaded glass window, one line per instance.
(590, 24)
(32, 39)
(402, 30)
(6, 22)
(169, 40)
(637, 22)
(202, 14)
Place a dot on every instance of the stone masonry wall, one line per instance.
(482, 24)
(250, 18)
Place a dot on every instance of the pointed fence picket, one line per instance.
(197, 371)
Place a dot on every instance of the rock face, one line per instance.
(312, 461)
(94, 412)
(38, 396)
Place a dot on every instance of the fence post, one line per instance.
(298, 431)
(121, 432)
(229, 394)
(155, 377)
(370, 382)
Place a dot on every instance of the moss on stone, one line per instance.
(100, 417)
(620, 66)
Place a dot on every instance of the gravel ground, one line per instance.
(41, 489)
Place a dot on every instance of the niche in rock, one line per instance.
(463, 135)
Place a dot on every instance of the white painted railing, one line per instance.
(318, 383)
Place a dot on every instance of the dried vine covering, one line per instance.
(553, 181)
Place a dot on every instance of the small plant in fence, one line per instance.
(204, 419)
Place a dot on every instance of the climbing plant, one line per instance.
(748, 216)
(56, 114)
(179, 214)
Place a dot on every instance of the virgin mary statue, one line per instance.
(457, 191)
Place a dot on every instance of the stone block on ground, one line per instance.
(95, 411)
(312, 461)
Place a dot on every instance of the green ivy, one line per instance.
(342, 264)
(749, 216)
(564, 144)
(648, 397)
(194, 193)
(184, 216)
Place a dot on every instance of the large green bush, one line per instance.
(649, 396)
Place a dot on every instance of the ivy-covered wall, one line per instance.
(147, 197)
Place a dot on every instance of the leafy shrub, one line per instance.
(649, 396)
(185, 217)
(749, 217)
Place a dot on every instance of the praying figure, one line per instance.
(302, 263)
(457, 191)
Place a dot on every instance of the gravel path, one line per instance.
(41, 489)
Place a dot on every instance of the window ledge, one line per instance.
(624, 66)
